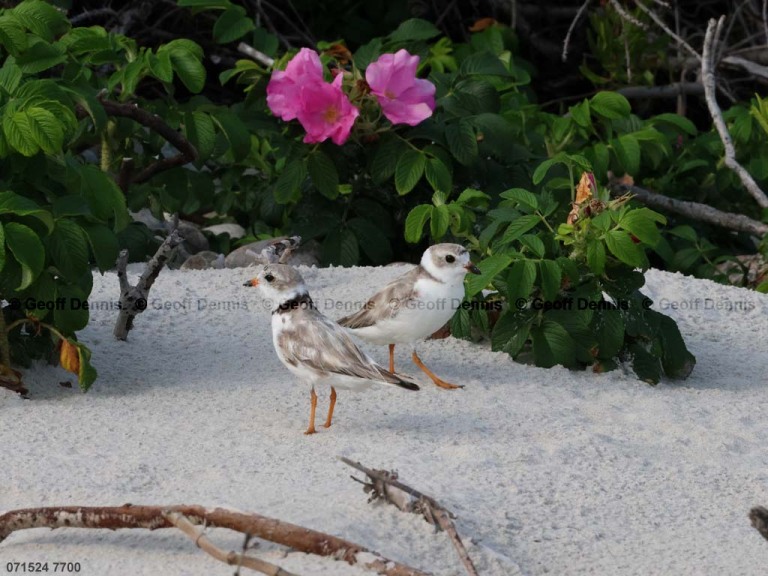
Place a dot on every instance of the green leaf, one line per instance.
(680, 122)
(206, 4)
(483, 64)
(438, 176)
(414, 223)
(520, 226)
(551, 276)
(552, 345)
(543, 168)
(201, 133)
(160, 66)
(489, 268)
(472, 197)
(185, 58)
(232, 25)
(676, 360)
(46, 130)
(520, 279)
(87, 374)
(73, 316)
(238, 136)
(103, 243)
(596, 256)
(10, 75)
(12, 35)
(324, 175)
(410, 168)
(288, 185)
(39, 57)
(12, 203)
(610, 105)
(103, 196)
(620, 244)
(69, 250)
(521, 197)
(608, 328)
(372, 240)
(511, 332)
(646, 366)
(462, 141)
(367, 53)
(340, 248)
(27, 249)
(534, 244)
(18, 132)
(628, 151)
(41, 18)
(414, 29)
(2, 251)
(85, 98)
(642, 223)
(580, 114)
(385, 159)
(439, 222)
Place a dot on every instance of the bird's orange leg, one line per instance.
(311, 429)
(392, 358)
(438, 381)
(330, 408)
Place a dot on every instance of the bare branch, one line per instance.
(382, 484)
(152, 518)
(660, 23)
(694, 210)
(669, 91)
(254, 54)
(714, 29)
(576, 18)
(232, 558)
(626, 16)
(133, 299)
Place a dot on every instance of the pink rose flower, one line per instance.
(284, 88)
(325, 112)
(403, 98)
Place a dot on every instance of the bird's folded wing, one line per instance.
(322, 346)
(386, 303)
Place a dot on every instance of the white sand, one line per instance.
(550, 471)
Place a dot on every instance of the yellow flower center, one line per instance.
(331, 114)
(389, 94)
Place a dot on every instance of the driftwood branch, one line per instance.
(232, 558)
(694, 210)
(133, 299)
(758, 517)
(154, 517)
(672, 90)
(708, 66)
(385, 484)
(254, 54)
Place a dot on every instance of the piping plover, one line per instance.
(416, 304)
(314, 348)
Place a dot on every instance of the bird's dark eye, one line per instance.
(269, 277)
(450, 259)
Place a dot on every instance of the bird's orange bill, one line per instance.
(392, 358)
(252, 282)
(438, 381)
(472, 268)
(311, 429)
(330, 408)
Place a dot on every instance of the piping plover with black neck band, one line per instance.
(416, 305)
(315, 349)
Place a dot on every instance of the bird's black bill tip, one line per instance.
(472, 268)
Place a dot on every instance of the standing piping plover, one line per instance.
(416, 304)
(314, 348)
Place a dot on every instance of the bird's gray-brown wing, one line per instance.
(386, 303)
(322, 346)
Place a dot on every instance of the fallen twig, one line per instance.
(154, 517)
(758, 516)
(708, 66)
(694, 210)
(382, 482)
(133, 299)
(254, 54)
(232, 558)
